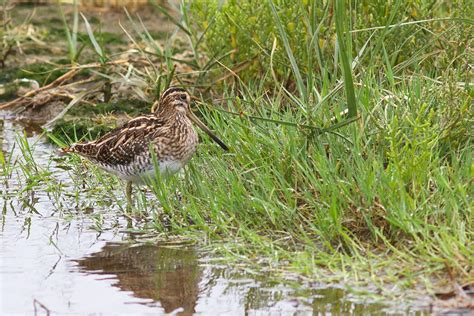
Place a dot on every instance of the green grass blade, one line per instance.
(289, 52)
(344, 54)
(71, 43)
(93, 40)
(75, 23)
(169, 16)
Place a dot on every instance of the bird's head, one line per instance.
(175, 100)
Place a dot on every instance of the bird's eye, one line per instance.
(183, 97)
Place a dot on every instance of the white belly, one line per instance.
(167, 168)
(170, 167)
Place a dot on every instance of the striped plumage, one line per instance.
(125, 151)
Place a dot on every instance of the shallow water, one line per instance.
(65, 254)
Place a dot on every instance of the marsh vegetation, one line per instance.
(350, 127)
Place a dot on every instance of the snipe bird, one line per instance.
(168, 131)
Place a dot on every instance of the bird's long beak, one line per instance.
(198, 122)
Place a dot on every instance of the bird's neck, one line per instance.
(175, 118)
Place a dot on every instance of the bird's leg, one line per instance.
(128, 193)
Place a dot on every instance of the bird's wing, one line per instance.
(121, 145)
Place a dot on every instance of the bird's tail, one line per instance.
(87, 149)
(66, 150)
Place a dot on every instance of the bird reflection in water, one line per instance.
(167, 275)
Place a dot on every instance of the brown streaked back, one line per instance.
(121, 145)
